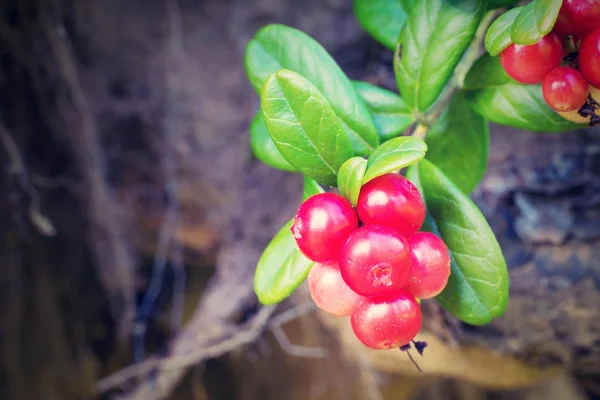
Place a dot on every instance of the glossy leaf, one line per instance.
(457, 143)
(350, 178)
(389, 111)
(535, 20)
(394, 155)
(497, 37)
(276, 47)
(304, 127)
(498, 98)
(477, 290)
(263, 146)
(433, 40)
(501, 3)
(383, 19)
(281, 268)
(311, 188)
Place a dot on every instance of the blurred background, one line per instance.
(133, 213)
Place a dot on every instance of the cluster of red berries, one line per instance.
(566, 62)
(371, 263)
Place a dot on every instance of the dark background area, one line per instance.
(133, 213)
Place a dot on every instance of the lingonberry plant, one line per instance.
(386, 218)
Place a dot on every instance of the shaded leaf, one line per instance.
(263, 146)
(383, 19)
(311, 188)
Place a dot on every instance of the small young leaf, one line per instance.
(498, 98)
(350, 178)
(281, 268)
(304, 127)
(497, 37)
(433, 40)
(457, 143)
(535, 20)
(383, 19)
(276, 47)
(501, 3)
(263, 146)
(477, 290)
(391, 114)
(311, 188)
(394, 155)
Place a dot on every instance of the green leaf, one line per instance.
(497, 37)
(391, 114)
(394, 155)
(535, 20)
(276, 47)
(281, 268)
(383, 19)
(263, 146)
(477, 290)
(432, 42)
(304, 127)
(501, 3)
(458, 142)
(498, 98)
(350, 178)
(311, 188)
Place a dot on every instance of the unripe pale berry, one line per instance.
(322, 225)
(329, 291)
(530, 64)
(386, 322)
(430, 267)
(565, 89)
(375, 260)
(391, 200)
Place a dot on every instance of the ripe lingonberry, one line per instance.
(322, 225)
(391, 200)
(530, 64)
(385, 322)
(589, 57)
(578, 17)
(430, 267)
(375, 260)
(329, 291)
(565, 89)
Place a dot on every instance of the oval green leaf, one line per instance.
(433, 40)
(535, 20)
(281, 268)
(501, 3)
(497, 37)
(477, 290)
(263, 146)
(458, 142)
(394, 155)
(383, 19)
(350, 178)
(390, 112)
(311, 188)
(304, 127)
(498, 98)
(276, 47)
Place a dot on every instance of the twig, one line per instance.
(246, 334)
(17, 167)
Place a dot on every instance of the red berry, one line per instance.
(385, 322)
(589, 58)
(322, 225)
(329, 291)
(578, 17)
(565, 89)
(530, 64)
(430, 267)
(375, 260)
(391, 200)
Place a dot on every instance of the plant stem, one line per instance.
(458, 77)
